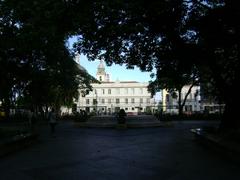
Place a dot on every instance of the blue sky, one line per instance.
(115, 71)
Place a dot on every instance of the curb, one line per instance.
(115, 125)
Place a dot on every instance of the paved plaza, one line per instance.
(105, 154)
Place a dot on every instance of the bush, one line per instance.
(121, 116)
(78, 117)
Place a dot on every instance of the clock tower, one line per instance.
(101, 75)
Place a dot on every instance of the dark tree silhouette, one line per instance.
(36, 68)
(194, 33)
(201, 34)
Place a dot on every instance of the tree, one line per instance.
(204, 34)
(173, 78)
(150, 36)
(195, 33)
(36, 67)
(10, 68)
(218, 36)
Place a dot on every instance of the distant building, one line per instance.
(193, 101)
(196, 102)
(110, 96)
(211, 104)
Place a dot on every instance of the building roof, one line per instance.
(128, 82)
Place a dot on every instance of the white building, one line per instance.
(193, 101)
(111, 96)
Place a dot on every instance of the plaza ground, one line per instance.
(169, 153)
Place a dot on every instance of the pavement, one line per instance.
(105, 154)
(109, 121)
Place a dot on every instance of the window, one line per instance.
(126, 109)
(109, 101)
(132, 100)
(167, 98)
(148, 100)
(133, 108)
(103, 101)
(109, 91)
(126, 90)
(132, 89)
(117, 91)
(141, 90)
(100, 78)
(117, 101)
(87, 101)
(141, 100)
(188, 108)
(103, 91)
(126, 101)
(94, 101)
(190, 96)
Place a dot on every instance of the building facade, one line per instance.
(192, 104)
(110, 96)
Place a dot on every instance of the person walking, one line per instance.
(52, 121)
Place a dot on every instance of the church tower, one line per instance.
(101, 75)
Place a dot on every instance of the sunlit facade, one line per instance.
(192, 104)
(110, 96)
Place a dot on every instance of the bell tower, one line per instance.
(101, 74)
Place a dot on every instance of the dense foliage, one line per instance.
(184, 40)
(36, 68)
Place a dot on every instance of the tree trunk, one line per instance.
(230, 119)
(228, 91)
(181, 103)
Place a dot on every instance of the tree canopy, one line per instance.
(36, 67)
(196, 34)
(176, 36)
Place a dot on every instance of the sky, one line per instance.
(115, 71)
